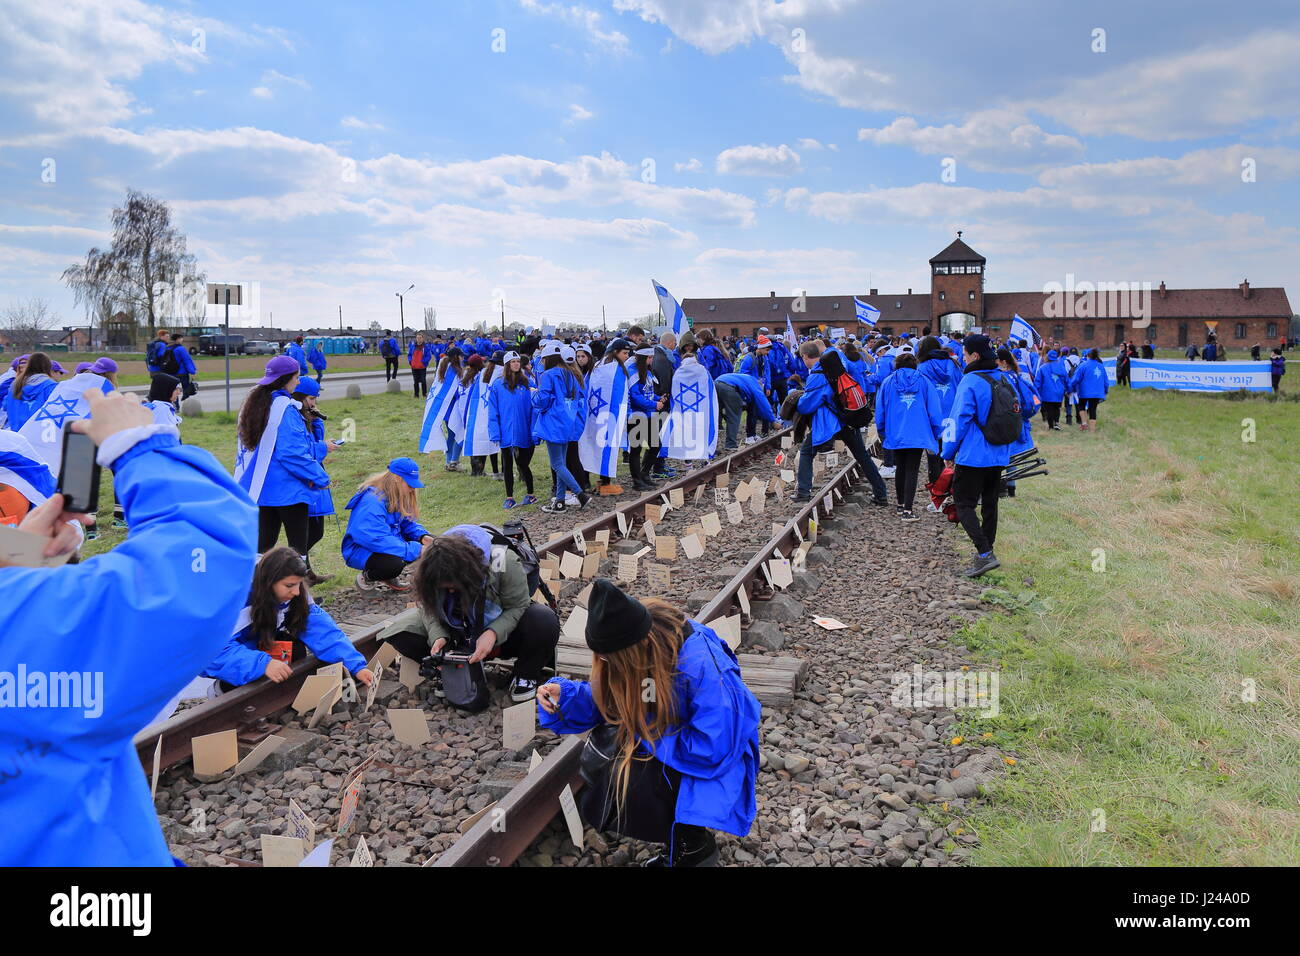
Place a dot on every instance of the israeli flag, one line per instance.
(604, 434)
(1020, 329)
(44, 430)
(437, 407)
(674, 317)
(23, 468)
(251, 464)
(6, 385)
(791, 339)
(692, 430)
(474, 419)
(867, 314)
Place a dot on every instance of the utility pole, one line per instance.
(401, 312)
(340, 320)
(503, 319)
(604, 327)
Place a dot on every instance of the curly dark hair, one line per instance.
(276, 565)
(450, 561)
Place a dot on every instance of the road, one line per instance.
(212, 391)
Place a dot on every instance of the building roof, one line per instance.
(1176, 304)
(819, 310)
(958, 251)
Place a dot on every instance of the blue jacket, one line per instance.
(971, 406)
(153, 354)
(295, 352)
(711, 358)
(71, 788)
(295, 474)
(749, 366)
(945, 375)
(323, 504)
(1051, 380)
(22, 407)
(782, 360)
(317, 359)
(426, 350)
(240, 662)
(642, 399)
(818, 401)
(908, 412)
(561, 406)
(1090, 380)
(858, 370)
(749, 389)
(1029, 405)
(373, 529)
(185, 363)
(510, 415)
(714, 747)
(393, 348)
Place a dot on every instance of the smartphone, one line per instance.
(78, 472)
(337, 441)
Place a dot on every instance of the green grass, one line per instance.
(212, 369)
(1122, 691)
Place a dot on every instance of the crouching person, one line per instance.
(279, 626)
(473, 594)
(673, 751)
(383, 535)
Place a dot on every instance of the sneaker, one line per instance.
(528, 500)
(364, 583)
(803, 498)
(497, 476)
(571, 500)
(751, 440)
(509, 503)
(522, 689)
(118, 525)
(92, 532)
(583, 500)
(452, 466)
(981, 565)
(554, 507)
(401, 584)
(908, 516)
(887, 471)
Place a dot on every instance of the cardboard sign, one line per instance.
(570, 565)
(693, 545)
(575, 628)
(735, 514)
(832, 460)
(757, 486)
(602, 537)
(812, 528)
(621, 518)
(579, 541)
(571, 816)
(534, 761)
(468, 823)
(699, 493)
(829, 623)
(584, 596)
(282, 850)
(828, 504)
(373, 689)
(787, 441)
(777, 528)
(694, 529)
(215, 753)
(666, 548)
(779, 460)
(334, 669)
(386, 654)
(409, 673)
(742, 597)
(327, 704)
(721, 496)
(668, 505)
(642, 553)
(259, 753)
(157, 761)
(300, 824)
(519, 724)
(742, 492)
(26, 550)
(782, 575)
(654, 514)
(787, 475)
(723, 479)
(362, 856)
(676, 497)
(590, 566)
(659, 577)
(758, 504)
(348, 806)
(727, 628)
(839, 444)
(649, 530)
(410, 725)
(549, 563)
(712, 524)
(626, 568)
(313, 689)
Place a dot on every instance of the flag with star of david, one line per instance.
(604, 434)
(474, 425)
(692, 430)
(66, 403)
(674, 317)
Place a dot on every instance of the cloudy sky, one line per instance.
(560, 155)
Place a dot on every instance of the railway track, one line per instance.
(534, 801)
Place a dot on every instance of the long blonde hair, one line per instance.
(634, 688)
(397, 494)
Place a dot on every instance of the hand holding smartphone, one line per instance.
(78, 472)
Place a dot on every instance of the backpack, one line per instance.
(169, 363)
(849, 397)
(154, 353)
(514, 537)
(1004, 423)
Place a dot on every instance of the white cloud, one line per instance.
(761, 160)
(692, 165)
(988, 140)
(353, 122)
(1219, 168)
(583, 18)
(577, 114)
(262, 92)
(275, 76)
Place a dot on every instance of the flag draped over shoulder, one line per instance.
(44, 430)
(1020, 329)
(604, 434)
(673, 314)
(23, 468)
(436, 408)
(867, 314)
(692, 430)
(473, 418)
(251, 464)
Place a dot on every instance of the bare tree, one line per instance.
(24, 322)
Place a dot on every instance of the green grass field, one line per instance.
(212, 369)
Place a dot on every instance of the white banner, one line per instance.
(1202, 376)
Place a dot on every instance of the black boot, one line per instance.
(692, 846)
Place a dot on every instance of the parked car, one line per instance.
(215, 344)
(256, 347)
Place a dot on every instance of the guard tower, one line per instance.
(957, 288)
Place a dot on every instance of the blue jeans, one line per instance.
(852, 439)
(558, 453)
(453, 449)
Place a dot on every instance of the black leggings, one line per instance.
(1089, 405)
(1051, 413)
(315, 530)
(418, 382)
(907, 464)
(384, 567)
(294, 520)
(531, 644)
(521, 457)
(476, 464)
(978, 486)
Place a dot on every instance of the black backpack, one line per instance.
(154, 353)
(514, 537)
(1004, 423)
(169, 363)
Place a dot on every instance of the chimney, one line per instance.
(1163, 291)
(1245, 289)
(909, 291)
(772, 295)
(875, 292)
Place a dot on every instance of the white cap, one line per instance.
(510, 357)
(548, 348)
(567, 354)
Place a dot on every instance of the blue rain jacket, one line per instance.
(561, 406)
(317, 359)
(426, 351)
(908, 412)
(749, 366)
(971, 406)
(945, 375)
(323, 503)
(642, 399)
(818, 401)
(240, 662)
(1090, 380)
(715, 747)
(1029, 405)
(295, 474)
(751, 393)
(295, 352)
(147, 616)
(373, 529)
(1051, 380)
(711, 358)
(21, 407)
(510, 415)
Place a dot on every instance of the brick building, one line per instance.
(1078, 315)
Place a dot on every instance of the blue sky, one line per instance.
(723, 147)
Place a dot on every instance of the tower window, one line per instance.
(941, 297)
(972, 295)
(835, 305)
(898, 305)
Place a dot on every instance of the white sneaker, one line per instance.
(931, 508)
(887, 472)
(571, 501)
(752, 439)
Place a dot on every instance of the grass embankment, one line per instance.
(386, 427)
(1122, 691)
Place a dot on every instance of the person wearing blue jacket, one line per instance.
(1051, 382)
(561, 406)
(909, 419)
(176, 360)
(1091, 383)
(390, 351)
(818, 406)
(934, 360)
(977, 473)
(277, 463)
(71, 788)
(510, 425)
(384, 534)
(711, 356)
(296, 352)
(279, 626)
(316, 359)
(677, 764)
(307, 394)
(28, 390)
(737, 393)
(758, 364)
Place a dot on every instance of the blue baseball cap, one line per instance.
(407, 470)
(308, 386)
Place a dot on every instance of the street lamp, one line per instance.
(401, 312)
